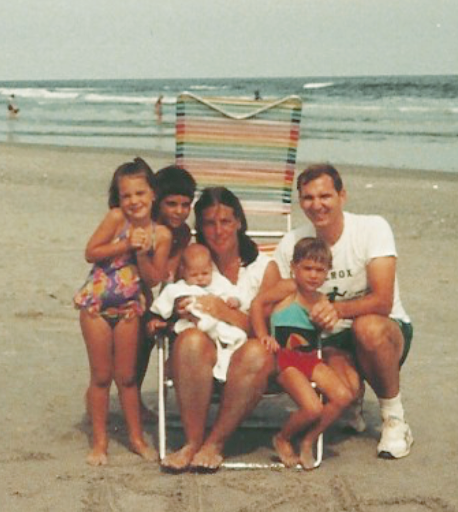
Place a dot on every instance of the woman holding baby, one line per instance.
(221, 226)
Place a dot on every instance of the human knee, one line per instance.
(254, 358)
(125, 380)
(125, 376)
(371, 333)
(192, 343)
(102, 379)
(343, 397)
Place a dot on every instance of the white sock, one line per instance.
(391, 407)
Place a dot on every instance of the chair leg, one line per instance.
(319, 451)
(162, 347)
(161, 391)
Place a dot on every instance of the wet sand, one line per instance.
(52, 199)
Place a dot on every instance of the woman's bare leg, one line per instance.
(247, 377)
(193, 358)
(125, 362)
(98, 337)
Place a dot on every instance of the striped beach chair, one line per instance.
(250, 147)
(247, 146)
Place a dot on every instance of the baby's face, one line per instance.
(198, 271)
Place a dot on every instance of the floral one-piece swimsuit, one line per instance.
(113, 288)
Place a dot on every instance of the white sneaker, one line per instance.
(353, 417)
(396, 439)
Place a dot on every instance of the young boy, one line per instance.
(294, 341)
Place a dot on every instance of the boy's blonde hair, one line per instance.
(315, 249)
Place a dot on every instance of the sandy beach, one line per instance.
(52, 199)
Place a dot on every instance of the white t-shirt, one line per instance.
(364, 238)
(250, 279)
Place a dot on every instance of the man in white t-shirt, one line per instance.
(364, 289)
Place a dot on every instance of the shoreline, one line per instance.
(52, 200)
(169, 156)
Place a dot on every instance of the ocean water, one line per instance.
(397, 121)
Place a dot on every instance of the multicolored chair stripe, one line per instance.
(249, 146)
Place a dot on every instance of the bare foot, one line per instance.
(209, 457)
(97, 457)
(285, 451)
(144, 450)
(179, 460)
(306, 458)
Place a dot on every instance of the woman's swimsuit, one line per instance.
(297, 336)
(113, 288)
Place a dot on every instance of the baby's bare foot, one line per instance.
(97, 457)
(179, 460)
(285, 451)
(209, 457)
(306, 458)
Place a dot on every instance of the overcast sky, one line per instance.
(64, 39)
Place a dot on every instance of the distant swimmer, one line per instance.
(13, 111)
(158, 108)
(257, 95)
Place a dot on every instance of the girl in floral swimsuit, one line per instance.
(130, 255)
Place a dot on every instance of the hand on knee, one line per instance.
(254, 358)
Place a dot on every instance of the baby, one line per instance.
(200, 278)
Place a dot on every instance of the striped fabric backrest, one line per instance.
(248, 146)
(267, 248)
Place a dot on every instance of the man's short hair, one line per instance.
(314, 171)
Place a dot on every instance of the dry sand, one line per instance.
(51, 200)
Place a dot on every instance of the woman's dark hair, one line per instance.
(137, 167)
(213, 196)
(173, 181)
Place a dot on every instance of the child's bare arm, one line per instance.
(100, 245)
(270, 343)
(265, 301)
(153, 269)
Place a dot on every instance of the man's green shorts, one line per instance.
(345, 340)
